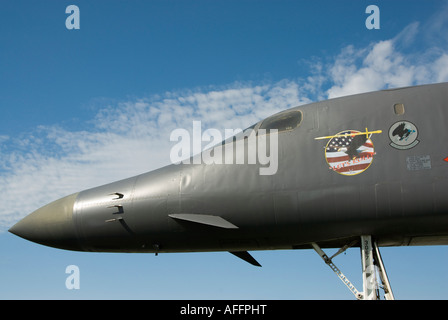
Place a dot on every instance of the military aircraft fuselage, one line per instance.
(365, 164)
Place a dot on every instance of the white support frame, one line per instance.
(369, 282)
(371, 262)
(388, 295)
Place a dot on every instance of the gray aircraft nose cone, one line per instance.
(51, 225)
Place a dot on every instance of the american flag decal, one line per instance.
(350, 152)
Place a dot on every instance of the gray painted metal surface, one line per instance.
(392, 185)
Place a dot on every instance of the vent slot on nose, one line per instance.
(118, 207)
(118, 194)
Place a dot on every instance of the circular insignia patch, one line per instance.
(403, 135)
(349, 152)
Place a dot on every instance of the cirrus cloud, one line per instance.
(132, 137)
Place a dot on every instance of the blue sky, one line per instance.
(135, 71)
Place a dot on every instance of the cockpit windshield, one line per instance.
(284, 121)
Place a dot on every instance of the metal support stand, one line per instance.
(388, 295)
(368, 269)
(371, 261)
(336, 270)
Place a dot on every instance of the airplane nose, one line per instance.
(51, 225)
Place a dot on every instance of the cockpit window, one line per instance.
(283, 122)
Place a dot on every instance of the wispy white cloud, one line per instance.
(132, 137)
(416, 55)
(125, 139)
(389, 63)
